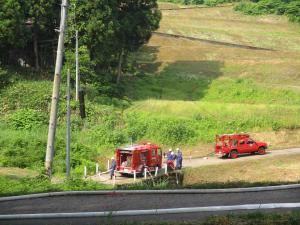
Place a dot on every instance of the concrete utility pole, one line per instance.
(55, 92)
(77, 69)
(68, 127)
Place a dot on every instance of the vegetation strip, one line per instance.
(151, 211)
(212, 42)
(183, 191)
(198, 7)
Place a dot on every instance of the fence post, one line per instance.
(166, 169)
(145, 173)
(97, 168)
(85, 171)
(156, 171)
(134, 175)
(114, 177)
(108, 164)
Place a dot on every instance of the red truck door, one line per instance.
(252, 145)
(243, 147)
(153, 157)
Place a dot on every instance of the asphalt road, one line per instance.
(120, 202)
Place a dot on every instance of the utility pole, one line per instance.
(55, 92)
(68, 127)
(77, 69)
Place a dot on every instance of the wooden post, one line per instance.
(108, 165)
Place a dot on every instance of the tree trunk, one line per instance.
(36, 50)
(120, 66)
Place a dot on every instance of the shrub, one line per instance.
(26, 119)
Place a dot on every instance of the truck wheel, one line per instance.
(234, 154)
(261, 151)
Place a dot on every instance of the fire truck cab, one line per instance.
(231, 145)
(137, 158)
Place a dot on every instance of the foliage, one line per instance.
(200, 2)
(4, 78)
(112, 29)
(26, 119)
(291, 8)
(22, 24)
(41, 184)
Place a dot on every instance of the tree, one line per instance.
(13, 32)
(111, 29)
(43, 15)
(24, 27)
(137, 19)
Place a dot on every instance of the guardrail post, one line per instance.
(134, 175)
(97, 168)
(166, 168)
(156, 171)
(85, 172)
(145, 173)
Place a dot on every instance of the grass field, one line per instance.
(185, 92)
(283, 169)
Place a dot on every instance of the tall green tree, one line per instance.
(111, 29)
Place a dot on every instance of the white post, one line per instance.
(97, 168)
(145, 173)
(166, 168)
(85, 171)
(156, 171)
(107, 164)
(134, 175)
(114, 181)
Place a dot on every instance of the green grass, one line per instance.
(20, 186)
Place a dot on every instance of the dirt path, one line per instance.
(198, 162)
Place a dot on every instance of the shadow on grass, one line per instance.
(179, 80)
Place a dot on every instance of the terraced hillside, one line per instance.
(221, 88)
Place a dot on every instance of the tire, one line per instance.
(261, 151)
(234, 154)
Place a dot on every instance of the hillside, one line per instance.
(183, 94)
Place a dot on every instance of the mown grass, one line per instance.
(279, 169)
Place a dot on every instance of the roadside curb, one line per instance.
(151, 211)
(128, 192)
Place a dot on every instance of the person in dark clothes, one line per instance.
(179, 159)
(112, 167)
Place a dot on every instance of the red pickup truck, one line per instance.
(231, 145)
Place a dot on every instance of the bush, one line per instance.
(26, 119)
(290, 8)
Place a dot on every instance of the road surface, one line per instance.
(119, 202)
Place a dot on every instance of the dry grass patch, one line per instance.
(276, 169)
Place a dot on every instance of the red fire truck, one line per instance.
(138, 157)
(231, 145)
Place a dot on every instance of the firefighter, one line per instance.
(112, 167)
(169, 154)
(179, 159)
